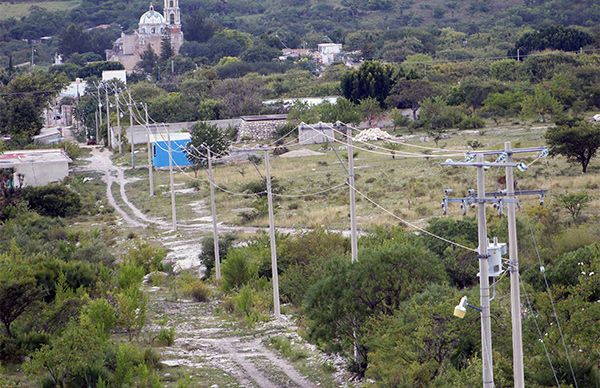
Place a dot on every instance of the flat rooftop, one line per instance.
(175, 136)
(12, 158)
(264, 117)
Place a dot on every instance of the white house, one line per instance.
(38, 167)
(329, 52)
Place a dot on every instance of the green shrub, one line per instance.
(72, 149)
(244, 301)
(471, 122)
(237, 270)
(207, 255)
(148, 256)
(165, 337)
(197, 290)
(53, 200)
(129, 274)
(100, 314)
(284, 346)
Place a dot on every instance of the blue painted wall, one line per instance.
(160, 154)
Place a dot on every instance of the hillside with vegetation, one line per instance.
(93, 291)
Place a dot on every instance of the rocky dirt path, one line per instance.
(203, 339)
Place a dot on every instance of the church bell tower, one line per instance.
(172, 14)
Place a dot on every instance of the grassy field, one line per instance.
(18, 9)
(410, 188)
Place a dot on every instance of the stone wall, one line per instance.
(259, 130)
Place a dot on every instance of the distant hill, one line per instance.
(20, 8)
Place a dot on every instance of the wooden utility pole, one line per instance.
(353, 233)
(213, 207)
(276, 308)
(484, 280)
(149, 145)
(515, 292)
(171, 180)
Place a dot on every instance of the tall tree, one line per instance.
(148, 61)
(166, 49)
(410, 94)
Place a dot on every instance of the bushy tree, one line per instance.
(53, 200)
(206, 135)
(578, 142)
(541, 103)
(388, 272)
(410, 94)
(553, 37)
(372, 79)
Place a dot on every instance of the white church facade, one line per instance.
(152, 28)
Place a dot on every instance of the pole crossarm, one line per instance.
(451, 163)
(494, 197)
(541, 149)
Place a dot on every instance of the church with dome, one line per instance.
(152, 28)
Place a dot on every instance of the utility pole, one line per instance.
(515, 292)
(118, 123)
(149, 146)
(171, 181)
(131, 130)
(96, 122)
(498, 198)
(484, 280)
(354, 238)
(518, 55)
(99, 111)
(108, 131)
(276, 308)
(213, 207)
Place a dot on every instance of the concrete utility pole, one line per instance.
(108, 131)
(118, 123)
(150, 167)
(484, 280)
(213, 207)
(515, 292)
(131, 130)
(354, 237)
(498, 198)
(171, 181)
(97, 130)
(276, 308)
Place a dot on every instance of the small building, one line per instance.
(329, 52)
(160, 149)
(260, 127)
(315, 133)
(49, 136)
(36, 167)
(109, 75)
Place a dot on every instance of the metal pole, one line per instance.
(276, 308)
(515, 293)
(99, 111)
(108, 132)
(354, 238)
(172, 183)
(149, 146)
(131, 131)
(118, 123)
(484, 288)
(213, 207)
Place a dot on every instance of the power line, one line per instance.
(543, 271)
(412, 225)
